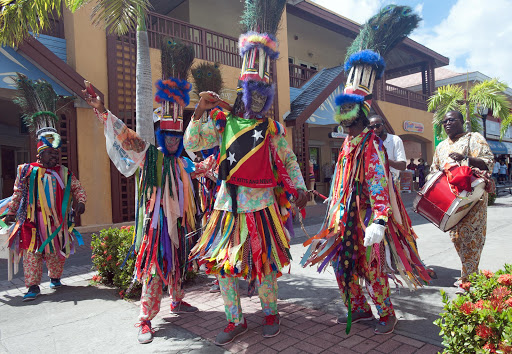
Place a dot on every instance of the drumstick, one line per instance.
(90, 89)
(212, 97)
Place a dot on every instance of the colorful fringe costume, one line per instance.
(248, 241)
(43, 197)
(42, 203)
(362, 190)
(165, 214)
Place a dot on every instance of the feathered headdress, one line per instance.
(207, 77)
(364, 62)
(38, 102)
(258, 46)
(173, 90)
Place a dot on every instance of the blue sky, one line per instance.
(475, 34)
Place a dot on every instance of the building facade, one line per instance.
(313, 42)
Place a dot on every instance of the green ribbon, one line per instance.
(67, 192)
(33, 176)
(3, 224)
(349, 316)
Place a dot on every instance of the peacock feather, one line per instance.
(177, 58)
(207, 77)
(385, 30)
(262, 16)
(37, 100)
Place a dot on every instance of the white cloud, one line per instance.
(359, 11)
(476, 36)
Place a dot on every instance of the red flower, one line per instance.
(93, 256)
(121, 293)
(109, 257)
(505, 279)
(467, 308)
(509, 302)
(505, 348)
(483, 331)
(466, 285)
(103, 244)
(488, 274)
(105, 252)
(105, 238)
(501, 292)
(490, 347)
(480, 304)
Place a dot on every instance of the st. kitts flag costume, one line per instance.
(245, 236)
(362, 190)
(43, 197)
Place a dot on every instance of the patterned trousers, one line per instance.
(152, 296)
(378, 288)
(33, 266)
(468, 238)
(267, 291)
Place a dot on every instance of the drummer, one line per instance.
(471, 149)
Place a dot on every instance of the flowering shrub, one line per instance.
(479, 321)
(492, 199)
(109, 250)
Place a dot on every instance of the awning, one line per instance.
(12, 62)
(497, 147)
(509, 147)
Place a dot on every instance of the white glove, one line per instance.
(374, 234)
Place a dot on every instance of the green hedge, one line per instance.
(109, 250)
(479, 321)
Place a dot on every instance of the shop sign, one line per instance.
(414, 127)
(338, 133)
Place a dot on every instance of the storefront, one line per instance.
(16, 146)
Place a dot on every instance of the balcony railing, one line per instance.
(398, 95)
(208, 45)
(299, 75)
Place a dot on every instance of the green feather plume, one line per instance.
(262, 16)
(35, 98)
(385, 30)
(207, 77)
(177, 58)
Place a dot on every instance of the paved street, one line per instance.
(81, 318)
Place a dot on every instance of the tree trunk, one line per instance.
(144, 89)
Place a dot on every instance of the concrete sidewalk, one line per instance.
(82, 318)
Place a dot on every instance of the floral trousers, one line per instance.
(267, 291)
(33, 266)
(378, 289)
(151, 297)
(468, 238)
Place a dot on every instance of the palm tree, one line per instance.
(18, 17)
(487, 94)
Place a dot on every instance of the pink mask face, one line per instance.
(172, 143)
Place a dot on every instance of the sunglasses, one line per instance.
(376, 126)
(449, 120)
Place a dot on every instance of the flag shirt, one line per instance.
(202, 136)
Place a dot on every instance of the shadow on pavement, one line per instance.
(65, 293)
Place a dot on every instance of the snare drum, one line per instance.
(443, 207)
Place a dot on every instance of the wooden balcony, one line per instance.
(398, 95)
(299, 75)
(208, 45)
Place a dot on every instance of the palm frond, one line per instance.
(505, 124)
(74, 5)
(119, 16)
(19, 17)
(447, 98)
(489, 94)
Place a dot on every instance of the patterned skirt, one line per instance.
(249, 245)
